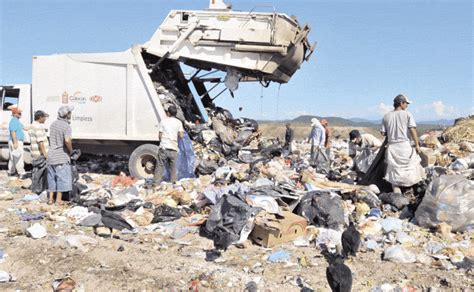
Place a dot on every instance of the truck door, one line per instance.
(17, 95)
(10, 98)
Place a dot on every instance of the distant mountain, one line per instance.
(335, 121)
(443, 122)
(360, 120)
(357, 122)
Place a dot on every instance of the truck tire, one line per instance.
(142, 161)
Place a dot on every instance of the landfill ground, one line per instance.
(151, 261)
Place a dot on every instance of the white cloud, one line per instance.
(383, 108)
(441, 110)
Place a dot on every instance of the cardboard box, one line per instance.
(428, 156)
(270, 231)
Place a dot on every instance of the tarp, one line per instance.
(185, 161)
(376, 171)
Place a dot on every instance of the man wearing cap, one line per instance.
(15, 144)
(59, 168)
(171, 129)
(363, 149)
(403, 162)
(317, 136)
(38, 139)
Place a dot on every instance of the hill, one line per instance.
(334, 121)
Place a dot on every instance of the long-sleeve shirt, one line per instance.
(317, 135)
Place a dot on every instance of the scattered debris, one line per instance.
(36, 231)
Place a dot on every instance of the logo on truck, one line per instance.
(95, 98)
(65, 97)
(78, 97)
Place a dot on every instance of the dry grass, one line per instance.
(277, 129)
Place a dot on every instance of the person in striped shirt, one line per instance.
(38, 139)
(59, 161)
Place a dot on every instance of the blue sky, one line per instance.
(368, 51)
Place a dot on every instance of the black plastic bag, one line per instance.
(395, 199)
(227, 219)
(165, 213)
(206, 167)
(322, 209)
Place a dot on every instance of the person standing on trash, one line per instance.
(403, 161)
(358, 142)
(317, 136)
(328, 133)
(289, 137)
(171, 129)
(15, 145)
(38, 139)
(60, 150)
(39, 152)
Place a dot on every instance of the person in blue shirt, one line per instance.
(15, 144)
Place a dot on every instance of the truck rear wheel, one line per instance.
(142, 161)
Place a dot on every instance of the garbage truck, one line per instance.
(119, 98)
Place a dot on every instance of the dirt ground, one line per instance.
(151, 261)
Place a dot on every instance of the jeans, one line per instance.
(59, 178)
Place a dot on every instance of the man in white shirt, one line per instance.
(363, 148)
(316, 137)
(403, 162)
(171, 129)
(358, 142)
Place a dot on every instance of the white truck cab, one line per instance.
(18, 95)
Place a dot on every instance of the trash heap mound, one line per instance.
(461, 131)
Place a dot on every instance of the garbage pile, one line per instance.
(250, 189)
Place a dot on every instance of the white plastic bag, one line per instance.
(450, 199)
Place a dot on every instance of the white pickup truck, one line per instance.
(119, 97)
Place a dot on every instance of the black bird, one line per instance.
(113, 221)
(350, 240)
(339, 275)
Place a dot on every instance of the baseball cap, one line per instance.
(64, 110)
(16, 110)
(353, 135)
(401, 98)
(40, 114)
